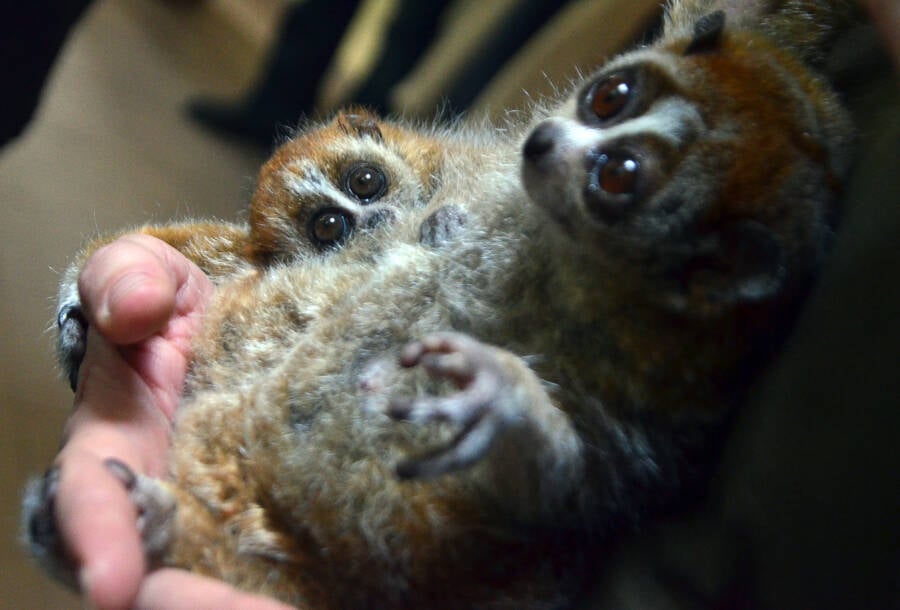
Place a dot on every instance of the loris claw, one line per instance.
(155, 507)
(488, 402)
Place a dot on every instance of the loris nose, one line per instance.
(540, 142)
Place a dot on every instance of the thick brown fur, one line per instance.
(457, 410)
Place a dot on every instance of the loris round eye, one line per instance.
(613, 185)
(330, 227)
(618, 175)
(609, 96)
(365, 182)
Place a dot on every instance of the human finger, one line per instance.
(170, 589)
(132, 287)
(117, 416)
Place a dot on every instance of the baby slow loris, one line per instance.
(565, 355)
(353, 175)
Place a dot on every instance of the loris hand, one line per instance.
(143, 300)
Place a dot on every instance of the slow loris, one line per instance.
(350, 176)
(565, 355)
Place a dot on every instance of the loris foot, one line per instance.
(71, 326)
(155, 509)
(39, 528)
(488, 401)
(154, 503)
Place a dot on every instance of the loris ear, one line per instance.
(748, 268)
(707, 33)
(359, 122)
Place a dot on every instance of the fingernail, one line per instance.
(121, 471)
(407, 470)
(400, 408)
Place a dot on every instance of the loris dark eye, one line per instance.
(618, 175)
(330, 227)
(609, 96)
(613, 185)
(365, 182)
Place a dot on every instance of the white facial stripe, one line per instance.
(577, 135)
(671, 119)
(303, 178)
(363, 148)
(665, 61)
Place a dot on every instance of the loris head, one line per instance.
(706, 166)
(337, 184)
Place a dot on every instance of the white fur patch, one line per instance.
(304, 178)
(672, 119)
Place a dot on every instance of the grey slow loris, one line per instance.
(564, 358)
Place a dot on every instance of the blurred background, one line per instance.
(159, 109)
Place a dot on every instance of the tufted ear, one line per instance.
(359, 122)
(707, 33)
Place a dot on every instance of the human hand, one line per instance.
(144, 301)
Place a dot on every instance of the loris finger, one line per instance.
(469, 446)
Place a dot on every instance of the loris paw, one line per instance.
(40, 531)
(155, 506)
(71, 326)
(483, 407)
(442, 226)
(154, 503)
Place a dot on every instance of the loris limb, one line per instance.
(154, 503)
(528, 448)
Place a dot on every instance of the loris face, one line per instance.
(338, 183)
(706, 165)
